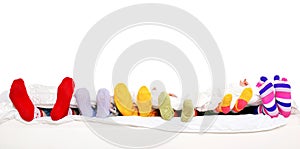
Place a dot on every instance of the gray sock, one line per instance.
(83, 101)
(103, 103)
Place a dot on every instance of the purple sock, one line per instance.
(83, 101)
(103, 103)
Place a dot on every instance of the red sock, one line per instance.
(19, 97)
(64, 95)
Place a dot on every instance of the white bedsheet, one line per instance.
(216, 124)
(219, 124)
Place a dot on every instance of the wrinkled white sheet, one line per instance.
(215, 124)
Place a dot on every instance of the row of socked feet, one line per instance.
(107, 105)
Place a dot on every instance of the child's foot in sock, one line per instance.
(123, 100)
(103, 103)
(243, 100)
(266, 91)
(165, 107)
(144, 102)
(64, 94)
(187, 111)
(283, 96)
(83, 102)
(20, 99)
(224, 106)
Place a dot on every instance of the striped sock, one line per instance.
(266, 91)
(283, 96)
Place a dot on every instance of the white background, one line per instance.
(39, 40)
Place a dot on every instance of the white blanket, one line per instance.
(213, 124)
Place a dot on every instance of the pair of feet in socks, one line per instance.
(28, 111)
(103, 99)
(276, 97)
(239, 105)
(167, 112)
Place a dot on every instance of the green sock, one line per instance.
(187, 111)
(165, 107)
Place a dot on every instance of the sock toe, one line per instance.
(263, 78)
(276, 77)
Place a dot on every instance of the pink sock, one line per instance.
(64, 96)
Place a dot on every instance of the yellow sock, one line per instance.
(243, 100)
(224, 106)
(123, 100)
(144, 101)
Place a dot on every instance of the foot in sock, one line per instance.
(283, 96)
(243, 100)
(144, 102)
(103, 103)
(266, 91)
(123, 100)
(64, 94)
(165, 108)
(224, 106)
(21, 101)
(187, 111)
(83, 102)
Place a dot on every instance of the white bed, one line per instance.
(76, 134)
(228, 131)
